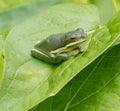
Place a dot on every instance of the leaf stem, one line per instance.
(115, 5)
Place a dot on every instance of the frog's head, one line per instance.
(77, 35)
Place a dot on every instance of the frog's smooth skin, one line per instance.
(59, 47)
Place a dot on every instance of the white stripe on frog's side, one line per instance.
(71, 44)
(77, 42)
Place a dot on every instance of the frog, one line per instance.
(59, 47)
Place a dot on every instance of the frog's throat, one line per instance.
(71, 44)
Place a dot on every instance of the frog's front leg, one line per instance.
(44, 55)
(63, 56)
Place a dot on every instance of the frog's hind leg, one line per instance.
(43, 56)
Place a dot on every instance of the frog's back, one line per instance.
(52, 42)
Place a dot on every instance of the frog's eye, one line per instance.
(73, 38)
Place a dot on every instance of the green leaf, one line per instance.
(12, 17)
(102, 39)
(97, 88)
(8, 4)
(75, 1)
(114, 30)
(1, 56)
(106, 9)
(25, 81)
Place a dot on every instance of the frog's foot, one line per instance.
(80, 49)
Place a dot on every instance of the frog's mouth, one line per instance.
(76, 43)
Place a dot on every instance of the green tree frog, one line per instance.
(59, 47)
